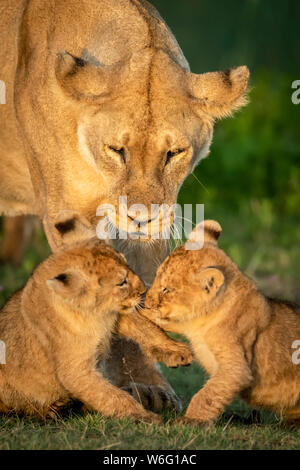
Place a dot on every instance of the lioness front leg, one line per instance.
(97, 394)
(128, 368)
(153, 341)
(293, 415)
(15, 238)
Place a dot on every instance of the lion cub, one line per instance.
(243, 339)
(59, 326)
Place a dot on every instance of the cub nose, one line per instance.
(150, 301)
(141, 288)
(137, 284)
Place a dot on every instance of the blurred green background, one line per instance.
(250, 182)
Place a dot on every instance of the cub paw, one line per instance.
(179, 355)
(154, 398)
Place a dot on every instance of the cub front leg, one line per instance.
(153, 341)
(218, 392)
(97, 394)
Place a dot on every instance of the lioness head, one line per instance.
(142, 125)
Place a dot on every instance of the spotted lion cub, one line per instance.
(58, 327)
(243, 339)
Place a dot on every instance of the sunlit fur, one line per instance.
(243, 339)
(105, 76)
(87, 76)
(59, 327)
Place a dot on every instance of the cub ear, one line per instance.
(72, 227)
(83, 80)
(207, 231)
(210, 281)
(220, 93)
(69, 283)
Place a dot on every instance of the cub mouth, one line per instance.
(134, 306)
(151, 313)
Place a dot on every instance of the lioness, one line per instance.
(244, 340)
(100, 103)
(60, 325)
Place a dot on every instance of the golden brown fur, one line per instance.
(242, 339)
(60, 325)
(86, 79)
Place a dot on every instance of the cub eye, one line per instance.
(171, 154)
(62, 278)
(165, 290)
(119, 151)
(123, 283)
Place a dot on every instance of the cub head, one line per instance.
(142, 124)
(92, 277)
(190, 282)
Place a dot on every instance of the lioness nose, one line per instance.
(141, 217)
(138, 222)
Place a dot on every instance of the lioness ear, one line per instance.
(210, 280)
(69, 283)
(83, 80)
(220, 93)
(207, 231)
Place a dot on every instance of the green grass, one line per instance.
(267, 253)
(251, 185)
(92, 431)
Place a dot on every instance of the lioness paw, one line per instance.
(154, 398)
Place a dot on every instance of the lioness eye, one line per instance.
(171, 154)
(123, 283)
(120, 152)
(165, 290)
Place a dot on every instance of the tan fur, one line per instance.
(242, 339)
(14, 240)
(84, 80)
(60, 325)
